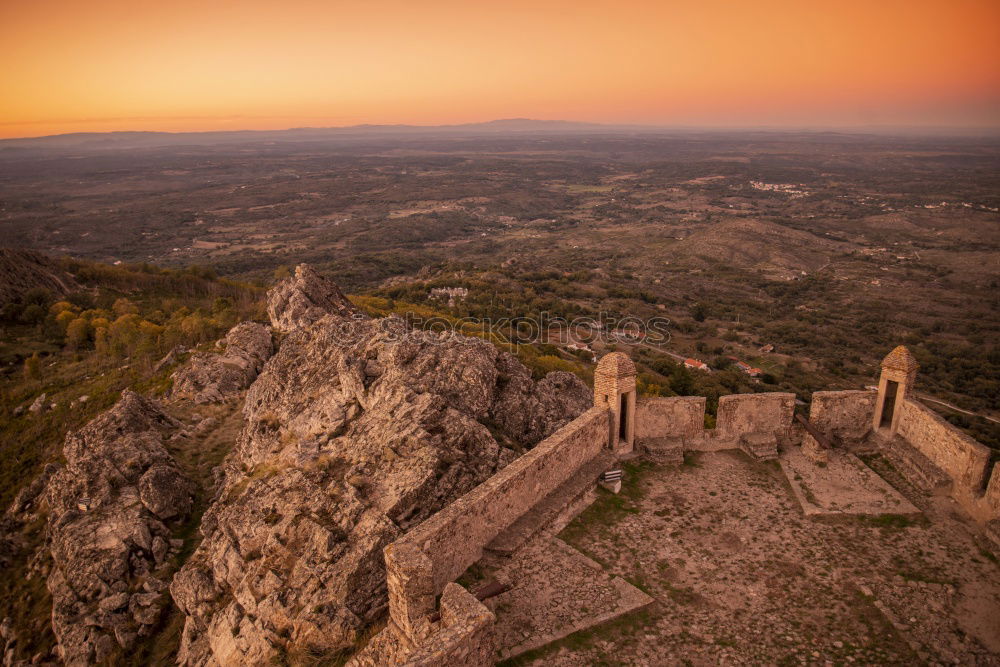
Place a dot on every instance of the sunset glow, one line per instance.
(121, 65)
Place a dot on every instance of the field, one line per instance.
(832, 248)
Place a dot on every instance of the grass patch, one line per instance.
(474, 575)
(609, 507)
(892, 521)
(622, 627)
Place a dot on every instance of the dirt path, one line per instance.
(925, 397)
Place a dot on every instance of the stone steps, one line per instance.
(915, 467)
(560, 506)
(663, 450)
(760, 446)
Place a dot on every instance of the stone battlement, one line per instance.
(426, 561)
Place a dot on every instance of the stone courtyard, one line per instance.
(866, 533)
(739, 575)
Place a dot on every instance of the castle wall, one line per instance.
(744, 414)
(845, 416)
(454, 538)
(466, 637)
(669, 417)
(988, 506)
(958, 455)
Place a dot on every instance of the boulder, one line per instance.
(118, 471)
(165, 491)
(212, 377)
(170, 358)
(38, 406)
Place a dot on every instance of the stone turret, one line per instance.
(899, 374)
(614, 388)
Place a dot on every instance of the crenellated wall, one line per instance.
(743, 414)
(465, 636)
(844, 416)
(669, 417)
(427, 560)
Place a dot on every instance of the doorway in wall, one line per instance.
(623, 418)
(889, 404)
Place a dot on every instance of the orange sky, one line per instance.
(71, 65)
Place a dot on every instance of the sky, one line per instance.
(104, 65)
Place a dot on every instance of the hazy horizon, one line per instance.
(500, 125)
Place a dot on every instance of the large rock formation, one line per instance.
(305, 298)
(108, 537)
(356, 430)
(210, 377)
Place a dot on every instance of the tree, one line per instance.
(149, 337)
(101, 342)
(721, 363)
(77, 334)
(123, 334)
(64, 318)
(681, 381)
(195, 328)
(61, 306)
(37, 296)
(33, 314)
(699, 312)
(123, 306)
(33, 367)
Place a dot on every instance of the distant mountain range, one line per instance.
(117, 140)
(505, 126)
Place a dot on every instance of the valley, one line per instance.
(828, 247)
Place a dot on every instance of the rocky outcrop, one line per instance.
(355, 431)
(212, 377)
(170, 358)
(304, 299)
(532, 410)
(107, 533)
(26, 501)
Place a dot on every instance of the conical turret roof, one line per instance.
(616, 364)
(900, 359)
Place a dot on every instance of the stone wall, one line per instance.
(958, 455)
(453, 539)
(673, 417)
(745, 414)
(844, 416)
(465, 636)
(988, 507)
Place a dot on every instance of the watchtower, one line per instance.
(614, 388)
(899, 373)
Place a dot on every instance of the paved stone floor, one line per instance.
(740, 576)
(843, 485)
(556, 591)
